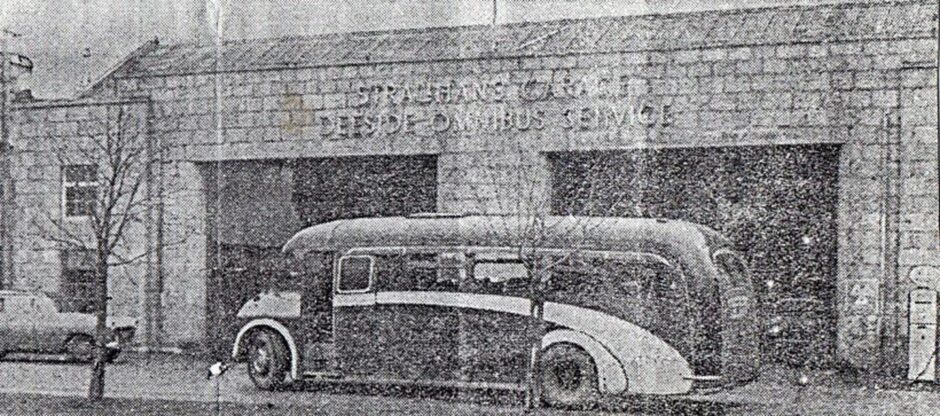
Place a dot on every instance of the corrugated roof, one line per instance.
(858, 21)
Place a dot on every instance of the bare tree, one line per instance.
(115, 169)
(521, 193)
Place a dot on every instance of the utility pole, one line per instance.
(5, 159)
(7, 74)
(494, 12)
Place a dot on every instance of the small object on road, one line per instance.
(216, 370)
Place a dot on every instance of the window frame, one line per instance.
(439, 266)
(478, 262)
(76, 277)
(70, 184)
(682, 281)
(339, 274)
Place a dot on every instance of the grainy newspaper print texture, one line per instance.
(469, 207)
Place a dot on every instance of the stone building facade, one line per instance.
(259, 138)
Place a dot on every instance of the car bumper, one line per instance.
(120, 339)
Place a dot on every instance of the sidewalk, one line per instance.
(26, 404)
(778, 391)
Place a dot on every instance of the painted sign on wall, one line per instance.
(494, 105)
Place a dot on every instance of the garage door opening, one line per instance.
(255, 206)
(350, 187)
(777, 203)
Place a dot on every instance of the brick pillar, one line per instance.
(918, 228)
(182, 288)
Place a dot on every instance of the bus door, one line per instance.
(358, 347)
(419, 323)
(317, 311)
(494, 341)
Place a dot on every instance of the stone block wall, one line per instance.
(45, 137)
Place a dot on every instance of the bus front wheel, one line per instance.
(267, 359)
(568, 375)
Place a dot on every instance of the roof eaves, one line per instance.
(766, 25)
(122, 67)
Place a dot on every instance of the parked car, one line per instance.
(30, 322)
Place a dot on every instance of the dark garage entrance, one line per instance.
(777, 203)
(255, 206)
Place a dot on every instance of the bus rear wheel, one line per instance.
(568, 376)
(267, 359)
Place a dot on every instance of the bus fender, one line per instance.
(273, 305)
(276, 327)
(610, 375)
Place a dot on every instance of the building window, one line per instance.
(77, 289)
(80, 189)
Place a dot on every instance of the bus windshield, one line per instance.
(731, 266)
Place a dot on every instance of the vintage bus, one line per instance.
(622, 305)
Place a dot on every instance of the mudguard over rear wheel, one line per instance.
(268, 359)
(568, 376)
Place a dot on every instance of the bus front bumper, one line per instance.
(706, 384)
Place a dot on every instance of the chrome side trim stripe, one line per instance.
(495, 303)
(353, 299)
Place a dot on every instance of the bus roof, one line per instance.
(588, 233)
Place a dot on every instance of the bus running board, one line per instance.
(328, 375)
(465, 385)
(703, 378)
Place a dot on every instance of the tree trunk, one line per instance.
(96, 384)
(536, 333)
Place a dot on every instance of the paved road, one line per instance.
(184, 379)
(180, 378)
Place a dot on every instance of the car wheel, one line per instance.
(80, 348)
(267, 359)
(568, 376)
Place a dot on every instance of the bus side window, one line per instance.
(572, 276)
(661, 294)
(355, 274)
(423, 271)
(504, 277)
(641, 291)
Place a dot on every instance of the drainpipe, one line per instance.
(152, 298)
(157, 326)
(6, 191)
(890, 244)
